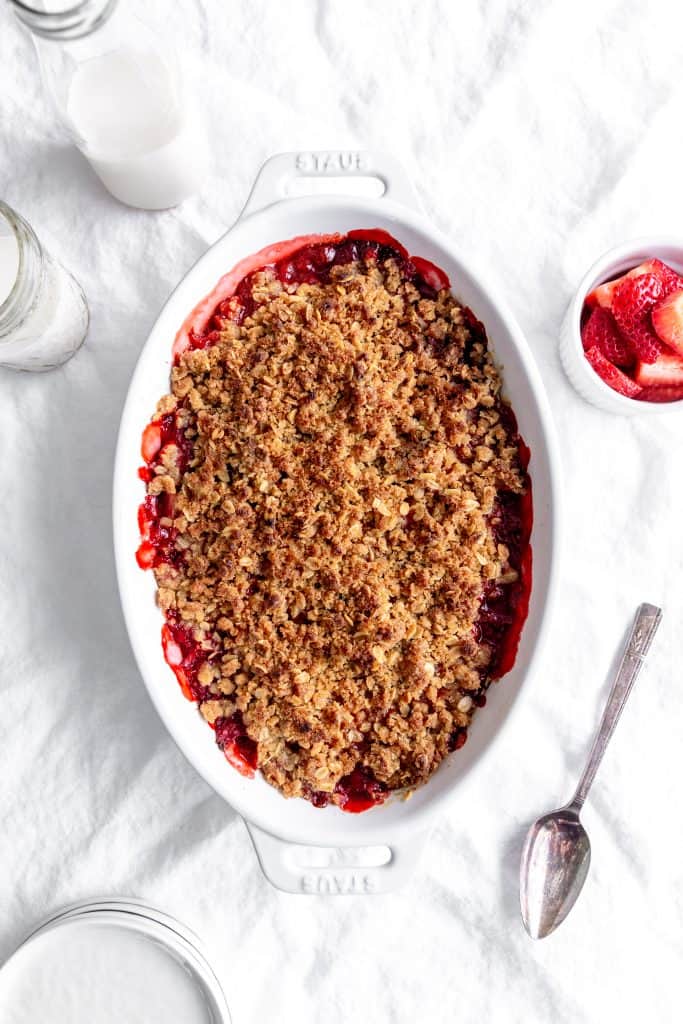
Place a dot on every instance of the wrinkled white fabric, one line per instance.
(538, 135)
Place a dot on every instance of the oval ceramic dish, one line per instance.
(284, 831)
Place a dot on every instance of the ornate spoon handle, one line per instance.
(644, 628)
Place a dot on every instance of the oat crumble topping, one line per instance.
(332, 524)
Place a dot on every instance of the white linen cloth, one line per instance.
(538, 134)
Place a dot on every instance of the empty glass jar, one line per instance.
(43, 312)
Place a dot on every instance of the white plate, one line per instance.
(276, 823)
(110, 961)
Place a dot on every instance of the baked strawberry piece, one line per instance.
(632, 332)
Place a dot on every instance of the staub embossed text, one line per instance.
(340, 884)
(331, 163)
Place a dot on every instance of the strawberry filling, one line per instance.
(157, 533)
(239, 749)
(311, 264)
(185, 656)
(359, 791)
(160, 433)
(354, 793)
(458, 738)
(503, 610)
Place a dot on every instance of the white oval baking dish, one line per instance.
(280, 828)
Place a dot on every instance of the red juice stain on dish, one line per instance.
(503, 611)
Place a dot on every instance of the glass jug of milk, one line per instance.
(118, 92)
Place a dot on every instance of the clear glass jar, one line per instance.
(117, 90)
(43, 313)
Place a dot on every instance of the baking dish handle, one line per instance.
(338, 871)
(287, 174)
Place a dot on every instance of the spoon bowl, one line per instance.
(555, 862)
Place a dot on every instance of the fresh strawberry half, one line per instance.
(667, 320)
(601, 331)
(667, 372)
(632, 304)
(617, 380)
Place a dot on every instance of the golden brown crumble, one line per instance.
(347, 449)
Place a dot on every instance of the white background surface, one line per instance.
(539, 134)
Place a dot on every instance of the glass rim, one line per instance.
(47, 15)
(19, 295)
(152, 924)
(75, 20)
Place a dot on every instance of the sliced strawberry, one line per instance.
(634, 298)
(617, 380)
(646, 344)
(666, 372)
(601, 330)
(661, 394)
(665, 274)
(151, 441)
(603, 294)
(667, 320)
(632, 304)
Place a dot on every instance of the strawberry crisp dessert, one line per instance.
(337, 515)
(632, 332)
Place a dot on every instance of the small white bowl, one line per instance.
(580, 372)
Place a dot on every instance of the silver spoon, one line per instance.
(557, 853)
